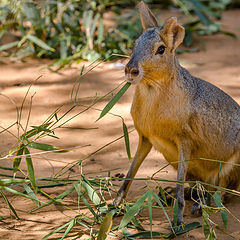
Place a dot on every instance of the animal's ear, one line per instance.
(147, 18)
(173, 33)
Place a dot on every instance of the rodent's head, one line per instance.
(154, 52)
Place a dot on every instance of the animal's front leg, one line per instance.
(144, 147)
(184, 154)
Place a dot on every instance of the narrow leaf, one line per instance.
(56, 230)
(70, 226)
(133, 211)
(31, 193)
(113, 101)
(217, 200)
(30, 168)
(8, 46)
(150, 210)
(175, 212)
(17, 160)
(5, 182)
(39, 42)
(126, 139)
(106, 226)
(45, 147)
(85, 200)
(91, 193)
(10, 205)
(155, 196)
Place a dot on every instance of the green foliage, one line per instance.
(69, 30)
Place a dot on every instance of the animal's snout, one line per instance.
(132, 72)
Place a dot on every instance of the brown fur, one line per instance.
(181, 116)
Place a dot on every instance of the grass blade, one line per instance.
(5, 182)
(126, 139)
(113, 101)
(85, 200)
(217, 200)
(133, 211)
(30, 168)
(175, 212)
(10, 205)
(54, 231)
(45, 147)
(150, 210)
(40, 43)
(31, 193)
(17, 160)
(70, 226)
(106, 226)
(8, 46)
(155, 196)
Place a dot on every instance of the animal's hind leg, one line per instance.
(230, 181)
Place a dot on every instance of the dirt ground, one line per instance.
(218, 65)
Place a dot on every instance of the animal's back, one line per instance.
(215, 124)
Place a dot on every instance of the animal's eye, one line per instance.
(160, 50)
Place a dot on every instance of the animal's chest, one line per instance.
(160, 122)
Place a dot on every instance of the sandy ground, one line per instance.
(218, 65)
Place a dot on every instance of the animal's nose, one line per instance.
(132, 71)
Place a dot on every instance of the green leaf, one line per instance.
(76, 186)
(145, 235)
(133, 211)
(100, 32)
(113, 101)
(203, 18)
(30, 168)
(126, 139)
(15, 192)
(91, 193)
(106, 226)
(185, 229)
(5, 182)
(70, 226)
(10, 205)
(31, 193)
(217, 200)
(150, 210)
(205, 223)
(155, 196)
(40, 43)
(8, 46)
(17, 160)
(45, 147)
(54, 231)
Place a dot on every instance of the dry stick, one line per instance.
(24, 99)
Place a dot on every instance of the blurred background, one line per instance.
(71, 30)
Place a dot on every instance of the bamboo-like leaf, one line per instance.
(5, 182)
(155, 196)
(91, 193)
(17, 160)
(100, 32)
(15, 192)
(126, 139)
(31, 193)
(133, 211)
(40, 43)
(9, 205)
(30, 168)
(56, 230)
(45, 147)
(205, 223)
(70, 226)
(106, 226)
(218, 202)
(150, 210)
(85, 200)
(8, 46)
(114, 100)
